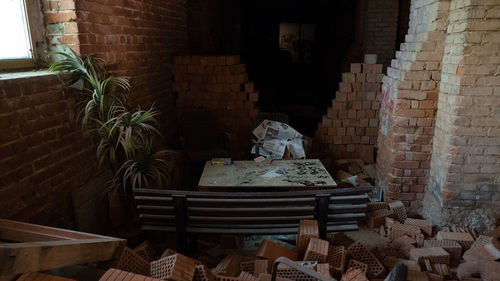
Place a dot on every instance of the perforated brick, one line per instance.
(146, 251)
(285, 271)
(260, 266)
(379, 254)
(174, 267)
(374, 206)
(450, 246)
(132, 262)
(399, 210)
(463, 238)
(114, 274)
(377, 218)
(424, 225)
(226, 278)
(245, 276)
(434, 255)
(229, 265)
(323, 268)
(203, 273)
(167, 252)
(307, 229)
(403, 245)
(267, 277)
(396, 230)
(490, 271)
(362, 254)
(336, 259)
(271, 251)
(317, 250)
(248, 266)
(357, 265)
(482, 249)
(354, 274)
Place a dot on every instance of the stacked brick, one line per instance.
(350, 127)
(219, 84)
(409, 95)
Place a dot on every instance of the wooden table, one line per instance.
(279, 174)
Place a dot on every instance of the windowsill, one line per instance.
(25, 74)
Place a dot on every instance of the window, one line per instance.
(16, 48)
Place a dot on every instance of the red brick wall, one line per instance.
(138, 39)
(43, 155)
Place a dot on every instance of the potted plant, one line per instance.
(126, 139)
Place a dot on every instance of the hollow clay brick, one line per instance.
(362, 254)
(261, 266)
(114, 274)
(357, 265)
(354, 274)
(379, 254)
(434, 255)
(317, 250)
(285, 271)
(267, 277)
(403, 245)
(167, 252)
(463, 238)
(323, 268)
(336, 259)
(132, 262)
(248, 266)
(203, 273)
(424, 225)
(490, 271)
(399, 210)
(175, 267)
(482, 249)
(146, 251)
(226, 278)
(396, 230)
(374, 206)
(307, 229)
(245, 276)
(450, 246)
(271, 251)
(377, 218)
(229, 265)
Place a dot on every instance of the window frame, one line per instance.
(8, 64)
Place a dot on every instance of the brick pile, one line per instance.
(448, 254)
(219, 84)
(350, 127)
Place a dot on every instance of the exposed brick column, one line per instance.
(409, 92)
(466, 149)
(62, 29)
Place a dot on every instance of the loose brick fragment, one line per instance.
(399, 210)
(132, 262)
(203, 273)
(464, 239)
(377, 218)
(317, 250)
(362, 254)
(285, 271)
(229, 265)
(396, 230)
(245, 276)
(307, 229)
(379, 254)
(248, 266)
(267, 277)
(490, 271)
(482, 249)
(357, 265)
(434, 255)
(261, 266)
(323, 268)
(119, 275)
(271, 251)
(424, 225)
(403, 245)
(176, 267)
(354, 274)
(450, 246)
(146, 251)
(336, 259)
(374, 206)
(167, 252)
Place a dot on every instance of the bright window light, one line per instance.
(14, 35)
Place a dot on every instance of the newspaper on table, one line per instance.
(273, 137)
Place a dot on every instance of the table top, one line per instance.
(278, 173)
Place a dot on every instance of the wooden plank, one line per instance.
(17, 235)
(4, 223)
(37, 256)
(37, 276)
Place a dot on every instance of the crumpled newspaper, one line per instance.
(273, 137)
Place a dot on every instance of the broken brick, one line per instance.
(307, 229)
(362, 254)
(175, 267)
(434, 255)
(271, 251)
(463, 238)
(317, 250)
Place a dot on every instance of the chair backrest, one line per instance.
(249, 212)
